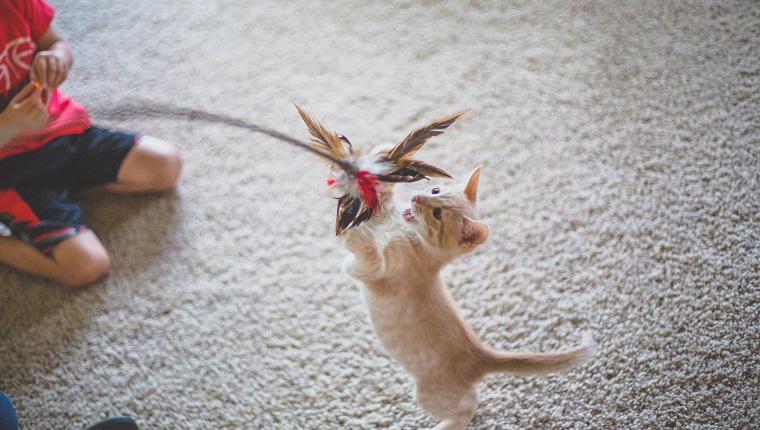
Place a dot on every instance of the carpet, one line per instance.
(620, 145)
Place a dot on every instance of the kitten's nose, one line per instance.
(417, 199)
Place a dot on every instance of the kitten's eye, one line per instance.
(437, 213)
(436, 190)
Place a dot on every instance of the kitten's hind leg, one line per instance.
(454, 407)
(367, 262)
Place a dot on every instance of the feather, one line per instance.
(351, 212)
(365, 213)
(413, 171)
(427, 169)
(322, 138)
(348, 209)
(419, 137)
(356, 176)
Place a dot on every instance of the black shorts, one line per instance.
(36, 187)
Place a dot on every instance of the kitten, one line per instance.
(398, 257)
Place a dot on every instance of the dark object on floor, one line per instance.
(118, 423)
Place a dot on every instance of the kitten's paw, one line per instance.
(359, 238)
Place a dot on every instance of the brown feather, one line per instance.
(427, 169)
(322, 138)
(413, 170)
(351, 212)
(420, 136)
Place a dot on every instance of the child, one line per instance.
(49, 150)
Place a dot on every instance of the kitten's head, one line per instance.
(446, 219)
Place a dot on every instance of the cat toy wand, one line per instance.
(354, 175)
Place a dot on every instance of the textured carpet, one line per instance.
(620, 145)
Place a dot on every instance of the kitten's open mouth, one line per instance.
(408, 215)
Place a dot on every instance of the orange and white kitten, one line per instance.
(398, 256)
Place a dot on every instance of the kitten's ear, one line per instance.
(471, 190)
(474, 233)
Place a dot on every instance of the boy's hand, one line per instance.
(51, 68)
(28, 110)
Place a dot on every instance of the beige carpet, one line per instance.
(620, 145)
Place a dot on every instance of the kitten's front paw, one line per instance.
(358, 238)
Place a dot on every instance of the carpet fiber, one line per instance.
(620, 145)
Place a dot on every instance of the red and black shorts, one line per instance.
(36, 187)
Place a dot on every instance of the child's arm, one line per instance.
(28, 110)
(51, 65)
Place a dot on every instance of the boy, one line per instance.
(49, 149)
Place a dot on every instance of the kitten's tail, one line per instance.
(525, 364)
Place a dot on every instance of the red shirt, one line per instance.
(22, 23)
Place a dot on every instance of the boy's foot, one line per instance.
(118, 423)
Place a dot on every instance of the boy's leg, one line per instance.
(76, 261)
(151, 165)
(101, 159)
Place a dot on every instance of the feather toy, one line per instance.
(355, 176)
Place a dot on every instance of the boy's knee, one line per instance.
(169, 174)
(87, 269)
(164, 160)
(82, 260)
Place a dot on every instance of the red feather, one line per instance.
(368, 185)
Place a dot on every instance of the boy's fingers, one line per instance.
(39, 93)
(26, 91)
(52, 79)
(57, 79)
(40, 69)
(46, 98)
(50, 73)
(35, 98)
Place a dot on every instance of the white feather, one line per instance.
(346, 183)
